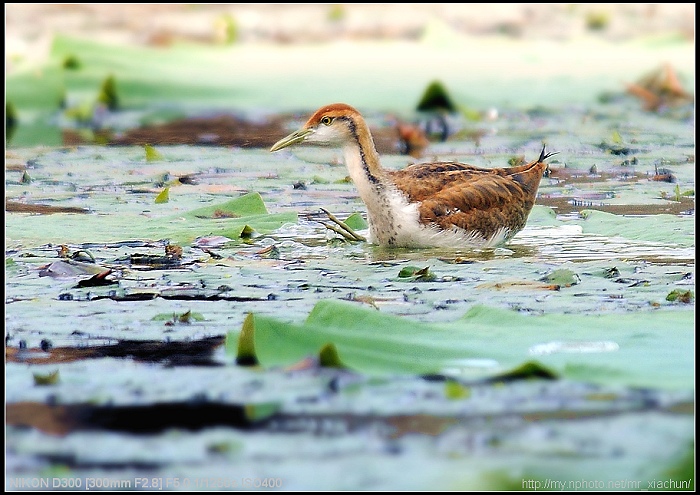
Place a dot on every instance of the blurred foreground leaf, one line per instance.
(376, 343)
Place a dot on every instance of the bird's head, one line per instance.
(331, 124)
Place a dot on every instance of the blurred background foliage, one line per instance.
(122, 66)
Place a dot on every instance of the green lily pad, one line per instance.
(246, 205)
(233, 219)
(413, 274)
(684, 296)
(561, 277)
(375, 343)
(656, 228)
(356, 222)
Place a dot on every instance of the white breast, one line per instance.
(404, 229)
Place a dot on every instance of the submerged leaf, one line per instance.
(98, 280)
(247, 231)
(154, 261)
(455, 390)
(183, 318)
(617, 149)
(516, 161)
(82, 112)
(246, 205)
(518, 285)
(270, 252)
(413, 273)
(561, 277)
(46, 379)
(108, 93)
(152, 154)
(356, 222)
(245, 354)
(530, 369)
(260, 412)
(189, 316)
(661, 228)
(684, 296)
(163, 196)
(436, 98)
(471, 114)
(70, 268)
(71, 62)
(328, 357)
(611, 272)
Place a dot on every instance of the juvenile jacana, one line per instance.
(440, 204)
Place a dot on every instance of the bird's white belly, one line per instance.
(393, 221)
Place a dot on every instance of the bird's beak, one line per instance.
(294, 138)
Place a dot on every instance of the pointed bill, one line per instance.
(294, 138)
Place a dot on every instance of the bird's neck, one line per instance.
(370, 179)
(376, 189)
(362, 161)
(361, 157)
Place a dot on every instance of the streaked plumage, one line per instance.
(444, 204)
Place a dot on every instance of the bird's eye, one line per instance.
(326, 120)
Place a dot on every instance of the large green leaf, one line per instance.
(670, 229)
(665, 228)
(489, 341)
(246, 205)
(229, 219)
(142, 74)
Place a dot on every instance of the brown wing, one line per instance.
(475, 199)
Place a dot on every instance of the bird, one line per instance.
(437, 204)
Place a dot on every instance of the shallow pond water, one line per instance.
(565, 355)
